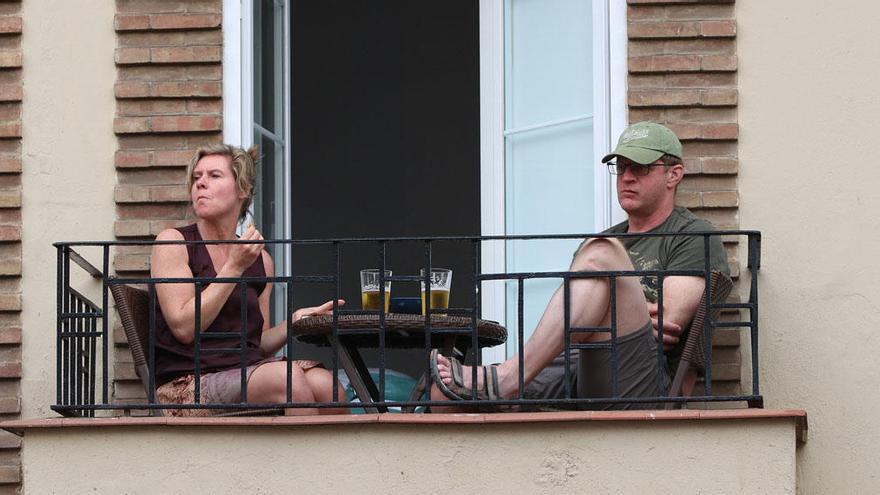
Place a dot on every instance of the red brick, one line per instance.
(9, 440)
(130, 194)
(189, 54)
(155, 194)
(124, 159)
(10, 58)
(10, 266)
(10, 24)
(664, 63)
(144, 228)
(131, 22)
(132, 262)
(719, 165)
(172, 157)
(157, 226)
(11, 473)
(150, 107)
(685, 131)
(718, 29)
(688, 199)
(151, 6)
(131, 228)
(10, 233)
(202, 106)
(173, 89)
(141, 142)
(187, 123)
(212, 72)
(10, 164)
(185, 21)
(718, 63)
(720, 131)
(663, 29)
(129, 125)
(719, 97)
(9, 302)
(132, 89)
(10, 92)
(164, 194)
(10, 335)
(720, 199)
(10, 369)
(10, 197)
(10, 129)
(664, 97)
(674, 2)
(132, 56)
(154, 211)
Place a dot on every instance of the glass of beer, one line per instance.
(371, 297)
(441, 283)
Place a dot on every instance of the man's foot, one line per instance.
(452, 380)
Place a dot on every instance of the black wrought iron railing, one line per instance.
(83, 343)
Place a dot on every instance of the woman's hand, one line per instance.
(324, 309)
(241, 256)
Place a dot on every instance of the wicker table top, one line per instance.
(403, 331)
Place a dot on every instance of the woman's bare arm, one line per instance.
(178, 300)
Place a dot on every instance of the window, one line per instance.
(552, 95)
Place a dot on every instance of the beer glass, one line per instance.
(441, 283)
(371, 297)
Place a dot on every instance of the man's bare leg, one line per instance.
(590, 307)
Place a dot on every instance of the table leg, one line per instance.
(358, 376)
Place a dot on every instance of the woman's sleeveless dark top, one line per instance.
(174, 359)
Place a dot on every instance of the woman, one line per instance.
(221, 181)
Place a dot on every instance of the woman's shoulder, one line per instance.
(170, 235)
(187, 232)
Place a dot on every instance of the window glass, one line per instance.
(548, 95)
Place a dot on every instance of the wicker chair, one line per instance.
(133, 306)
(693, 356)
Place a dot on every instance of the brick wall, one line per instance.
(10, 238)
(682, 73)
(168, 103)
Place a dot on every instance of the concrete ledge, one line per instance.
(799, 416)
(691, 451)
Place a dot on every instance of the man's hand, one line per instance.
(323, 309)
(671, 330)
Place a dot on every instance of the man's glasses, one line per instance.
(636, 169)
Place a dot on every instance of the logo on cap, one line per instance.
(633, 134)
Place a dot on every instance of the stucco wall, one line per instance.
(721, 457)
(68, 177)
(809, 116)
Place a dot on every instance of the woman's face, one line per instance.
(215, 192)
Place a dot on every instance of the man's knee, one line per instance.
(601, 254)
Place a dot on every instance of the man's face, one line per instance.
(642, 195)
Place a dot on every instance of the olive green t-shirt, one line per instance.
(680, 252)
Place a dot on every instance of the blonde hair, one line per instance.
(243, 163)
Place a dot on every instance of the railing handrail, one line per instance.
(512, 237)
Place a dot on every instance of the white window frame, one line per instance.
(609, 96)
(238, 103)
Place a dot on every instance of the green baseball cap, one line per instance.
(645, 143)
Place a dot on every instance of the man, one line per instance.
(648, 170)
